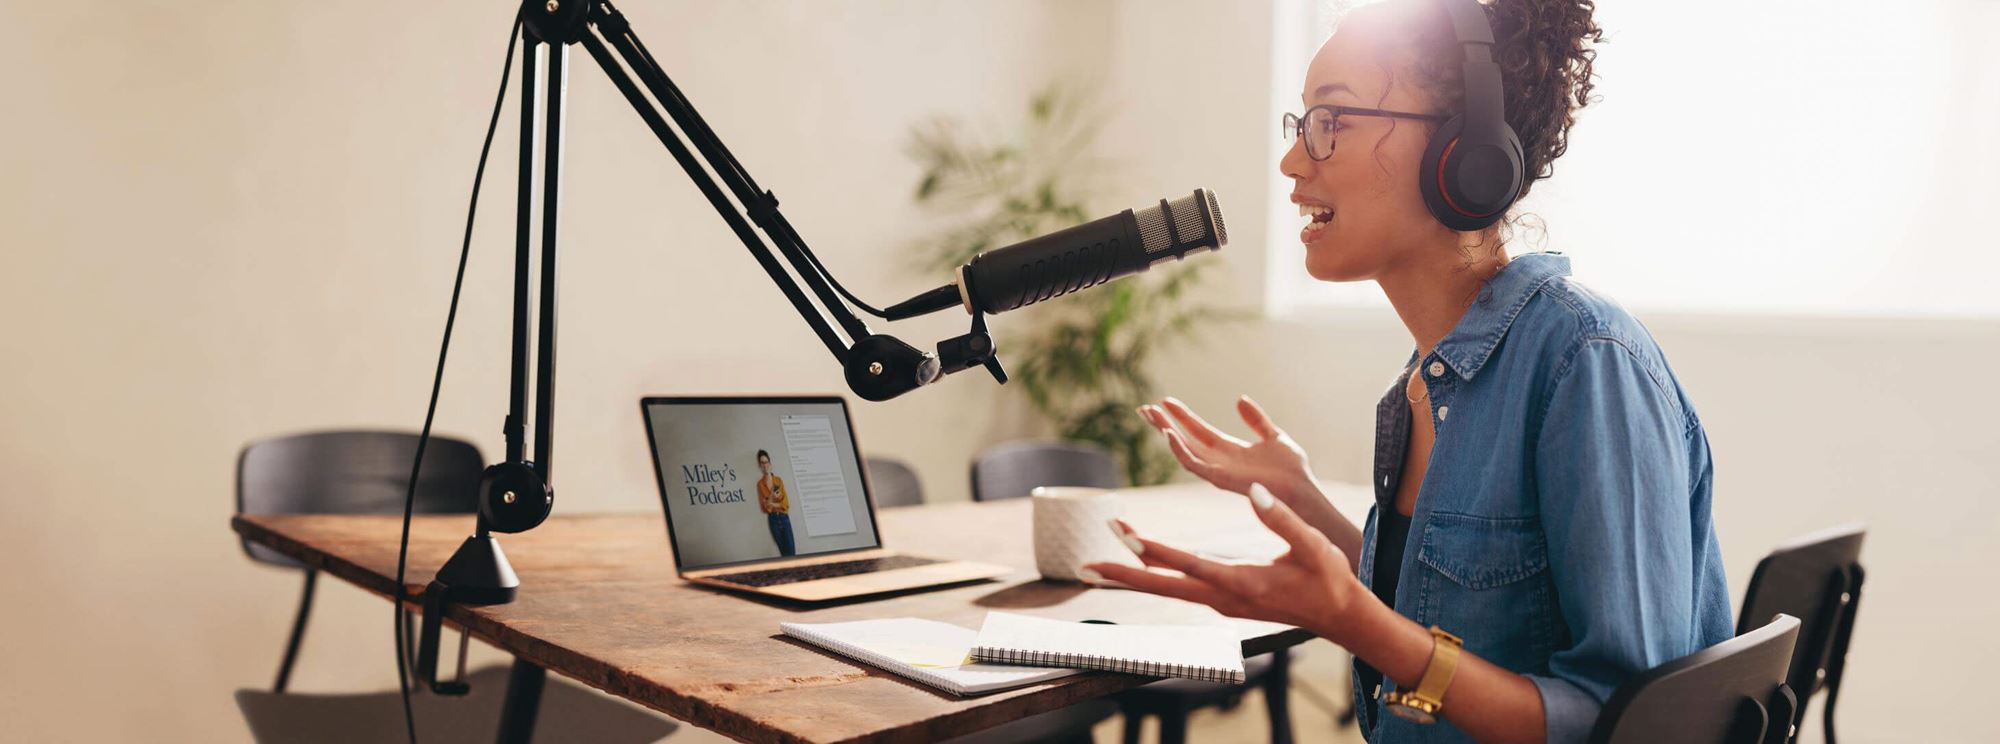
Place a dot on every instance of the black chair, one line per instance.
(1066, 725)
(569, 713)
(1816, 578)
(1173, 700)
(1012, 471)
(1731, 693)
(347, 472)
(893, 483)
(367, 472)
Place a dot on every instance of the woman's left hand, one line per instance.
(1310, 586)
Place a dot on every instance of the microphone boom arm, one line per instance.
(603, 31)
(517, 494)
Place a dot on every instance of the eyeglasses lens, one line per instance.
(1319, 133)
(1317, 130)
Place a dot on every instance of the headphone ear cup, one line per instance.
(1428, 181)
(1468, 185)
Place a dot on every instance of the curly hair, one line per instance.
(1545, 50)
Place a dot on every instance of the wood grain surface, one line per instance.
(600, 603)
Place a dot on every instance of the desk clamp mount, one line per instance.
(477, 574)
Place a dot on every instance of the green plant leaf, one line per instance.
(1081, 360)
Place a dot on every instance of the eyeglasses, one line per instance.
(1320, 122)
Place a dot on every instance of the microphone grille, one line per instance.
(1153, 230)
(1188, 219)
(1215, 212)
(1189, 224)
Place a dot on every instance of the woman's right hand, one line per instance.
(1230, 463)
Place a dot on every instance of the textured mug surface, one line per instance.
(1072, 529)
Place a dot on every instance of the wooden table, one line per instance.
(600, 603)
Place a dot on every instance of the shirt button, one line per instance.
(1443, 411)
(1437, 369)
(1375, 693)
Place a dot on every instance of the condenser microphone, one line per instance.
(1077, 258)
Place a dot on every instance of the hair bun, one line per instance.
(1546, 51)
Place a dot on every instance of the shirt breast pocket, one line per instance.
(1486, 580)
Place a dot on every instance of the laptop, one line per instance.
(766, 495)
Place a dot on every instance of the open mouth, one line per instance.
(1320, 217)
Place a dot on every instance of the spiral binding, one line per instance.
(1026, 657)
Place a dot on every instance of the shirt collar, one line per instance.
(1479, 331)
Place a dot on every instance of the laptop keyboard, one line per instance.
(796, 574)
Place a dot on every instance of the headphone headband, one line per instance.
(1485, 105)
(1468, 19)
(1473, 168)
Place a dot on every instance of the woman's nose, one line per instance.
(1295, 164)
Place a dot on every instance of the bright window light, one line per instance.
(1780, 157)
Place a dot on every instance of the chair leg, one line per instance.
(1173, 726)
(298, 633)
(1838, 668)
(1133, 721)
(1277, 696)
(523, 702)
(1348, 715)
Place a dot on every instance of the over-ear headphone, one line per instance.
(1472, 170)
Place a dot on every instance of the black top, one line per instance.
(1392, 534)
(1392, 529)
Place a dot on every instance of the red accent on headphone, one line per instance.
(1446, 192)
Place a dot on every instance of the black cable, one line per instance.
(814, 260)
(437, 382)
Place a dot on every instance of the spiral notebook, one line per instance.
(1203, 652)
(928, 651)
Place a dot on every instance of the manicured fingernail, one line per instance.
(1131, 543)
(1260, 497)
(1088, 576)
(1137, 547)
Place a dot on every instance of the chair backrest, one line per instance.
(893, 483)
(1731, 693)
(352, 472)
(1010, 471)
(1816, 578)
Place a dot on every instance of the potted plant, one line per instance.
(1082, 359)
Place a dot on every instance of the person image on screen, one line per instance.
(777, 507)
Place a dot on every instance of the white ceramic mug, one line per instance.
(1072, 529)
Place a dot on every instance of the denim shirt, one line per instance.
(1562, 528)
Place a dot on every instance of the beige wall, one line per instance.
(229, 220)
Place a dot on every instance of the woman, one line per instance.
(1542, 481)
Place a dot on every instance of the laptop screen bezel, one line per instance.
(659, 474)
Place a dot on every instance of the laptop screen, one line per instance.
(749, 479)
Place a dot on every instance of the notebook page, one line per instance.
(928, 651)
